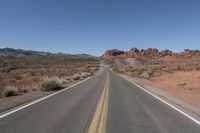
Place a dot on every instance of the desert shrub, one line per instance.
(24, 89)
(156, 63)
(156, 74)
(67, 79)
(182, 83)
(136, 72)
(151, 73)
(18, 77)
(76, 76)
(92, 73)
(36, 79)
(145, 74)
(197, 68)
(179, 68)
(116, 69)
(51, 84)
(10, 91)
(32, 73)
(85, 74)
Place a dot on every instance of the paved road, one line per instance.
(131, 110)
(106, 101)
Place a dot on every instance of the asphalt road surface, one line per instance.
(104, 103)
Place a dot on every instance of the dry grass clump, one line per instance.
(76, 76)
(24, 89)
(85, 74)
(10, 91)
(27, 72)
(51, 84)
(18, 77)
(82, 75)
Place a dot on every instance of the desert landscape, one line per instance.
(176, 74)
(27, 74)
(100, 66)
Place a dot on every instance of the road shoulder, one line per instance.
(192, 110)
(13, 102)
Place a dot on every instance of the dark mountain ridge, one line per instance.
(22, 52)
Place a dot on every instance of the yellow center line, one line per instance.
(98, 123)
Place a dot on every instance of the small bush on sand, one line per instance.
(32, 73)
(18, 77)
(24, 89)
(197, 68)
(76, 76)
(85, 74)
(51, 84)
(116, 69)
(10, 91)
(92, 73)
(145, 74)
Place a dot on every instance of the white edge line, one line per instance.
(180, 111)
(41, 99)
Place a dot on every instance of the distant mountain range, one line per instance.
(21, 52)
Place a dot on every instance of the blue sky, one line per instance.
(93, 26)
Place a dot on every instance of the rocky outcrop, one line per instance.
(134, 52)
(112, 53)
(166, 53)
(152, 53)
(190, 53)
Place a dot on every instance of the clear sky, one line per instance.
(93, 26)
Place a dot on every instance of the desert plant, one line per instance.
(24, 89)
(18, 77)
(10, 91)
(32, 73)
(76, 76)
(85, 74)
(197, 68)
(92, 73)
(145, 74)
(51, 84)
(116, 69)
(182, 83)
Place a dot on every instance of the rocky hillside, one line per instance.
(151, 53)
(163, 72)
(151, 62)
(21, 53)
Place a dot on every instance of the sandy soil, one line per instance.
(184, 85)
(15, 101)
(28, 72)
(180, 88)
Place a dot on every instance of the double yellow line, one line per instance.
(98, 123)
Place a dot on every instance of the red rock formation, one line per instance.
(166, 53)
(133, 52)
(112, 53)
(152, 53)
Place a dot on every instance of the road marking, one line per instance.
(180, 111)
(41, 99)
(98, 123)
